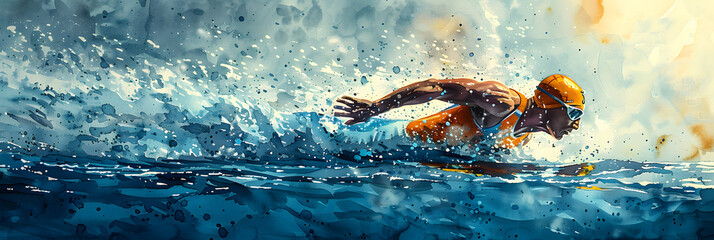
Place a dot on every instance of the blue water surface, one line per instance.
(58, 196)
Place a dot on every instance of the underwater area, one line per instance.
(207, 119)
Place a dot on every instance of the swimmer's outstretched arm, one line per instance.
(492, 96)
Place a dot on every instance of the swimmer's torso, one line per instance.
(463, 123)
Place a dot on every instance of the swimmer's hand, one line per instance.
(360, 110)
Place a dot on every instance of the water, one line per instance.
(200, 198)
(211, 119)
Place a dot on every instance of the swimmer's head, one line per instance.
(557, 89)
(564, 102)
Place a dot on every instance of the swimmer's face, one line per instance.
(559, 124)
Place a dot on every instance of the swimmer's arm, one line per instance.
(493, 96)
(360, 110)
(415, 93)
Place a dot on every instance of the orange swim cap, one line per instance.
(563, 88)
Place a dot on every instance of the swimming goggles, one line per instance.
(573, 112)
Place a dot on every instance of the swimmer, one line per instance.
(482, 110)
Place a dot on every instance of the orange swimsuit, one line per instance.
(458, 124)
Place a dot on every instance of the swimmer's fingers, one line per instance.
(357, 116)
(343, 114)
(352, 102)
(345, 97)
(358, 101)
(340, 107)
(345, 102)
